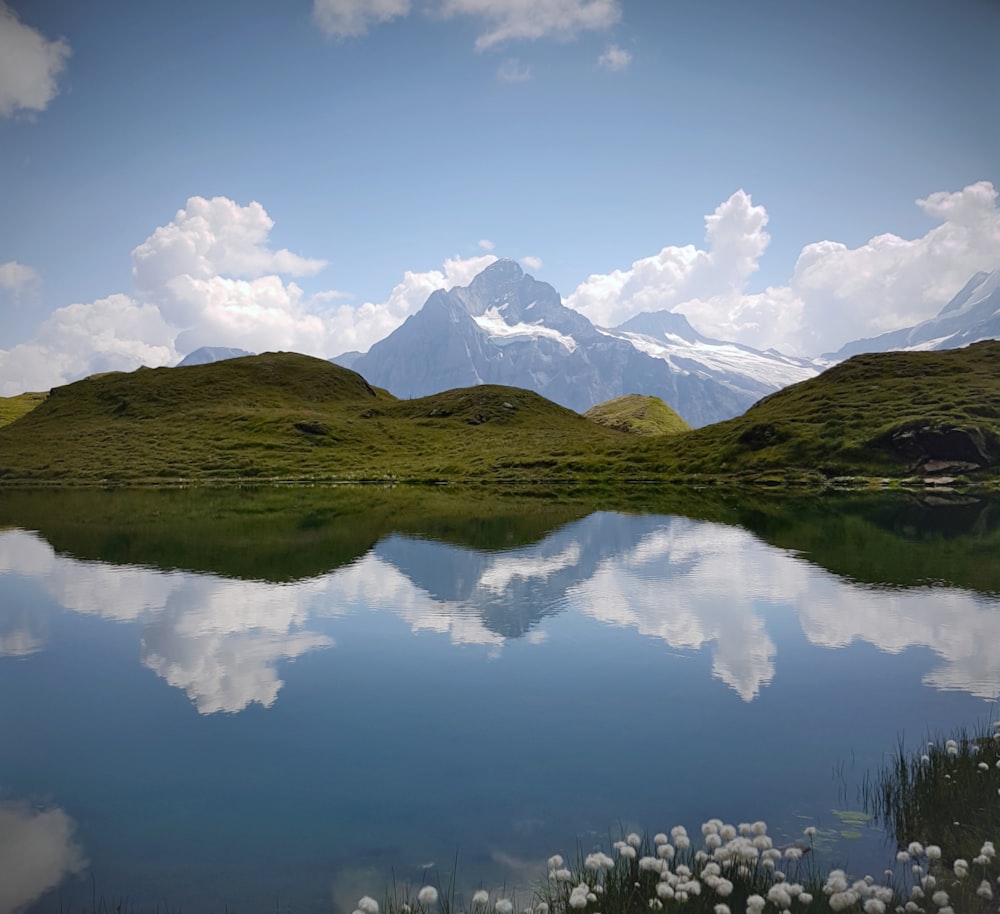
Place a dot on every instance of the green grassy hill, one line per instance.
(283, 416)
(881, 414)
(12, 408)
(639, 414)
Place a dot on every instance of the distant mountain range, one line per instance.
(507, 328)
(971, 316)
(208, 354)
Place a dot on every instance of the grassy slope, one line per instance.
(289, 416)
(838, 423)
(638, 414)
(12, 408)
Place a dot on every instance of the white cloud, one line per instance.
(345, 18)
(39, 851)
(513, 71)
(210, 278)
(835, 294)
(532, 19)
(614, 59)
(16, 279)
(111, 334)
(29, 65)
(485, 244)
(736, 239)
(532, 263)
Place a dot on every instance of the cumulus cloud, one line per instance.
(210, 278)
(485, 244)
(532, 263)
(614, 59)
(39, 851)
(16, 279)
(835, 294)
(504, 20)
(532, 19)
(112, 334)
(30, 63)
(346, 18)
(513, 71)
(736, 239)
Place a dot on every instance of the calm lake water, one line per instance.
(212, 700)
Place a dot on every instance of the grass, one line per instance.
(12, 408)
(942, 807)
(282, 416)
(638, 414)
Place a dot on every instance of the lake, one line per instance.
(281, 700)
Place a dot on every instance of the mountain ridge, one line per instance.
(506, 327)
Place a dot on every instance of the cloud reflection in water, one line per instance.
(692, 584)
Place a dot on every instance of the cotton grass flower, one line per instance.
(633, 840)
(961, 868)
(482, 898)
(368, 905)
(598, 861)
(660, 838)
(428, 895)
(556, 861)
(916, 849)
(933, 852)
(940, 898)
(721, 908)
(810, 831)
(985, 890)
(755, 904)
(504, 906)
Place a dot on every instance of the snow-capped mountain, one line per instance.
(972, 315)
(207, 354)
(505, 327)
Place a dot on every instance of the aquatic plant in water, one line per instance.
(942, 806)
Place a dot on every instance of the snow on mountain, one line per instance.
(505, 327)
(972, 315)
(668, 336)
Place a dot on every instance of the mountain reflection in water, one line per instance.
(466, 685)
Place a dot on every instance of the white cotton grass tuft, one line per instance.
(961, 868)
(556, 861)
(368, 905)
(665, 852)
(598, 861)
(810, 831)
(985, 890)
(660, 838)
(504, 906)
(933, 852)
(481, 898)
(428, 895)
(633, 840)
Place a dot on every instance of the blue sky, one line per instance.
(301, 174)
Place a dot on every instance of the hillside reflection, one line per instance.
(692, 584)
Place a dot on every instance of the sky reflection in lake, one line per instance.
(638, 669)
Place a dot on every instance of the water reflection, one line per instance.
(692, 584)
(38, 849)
